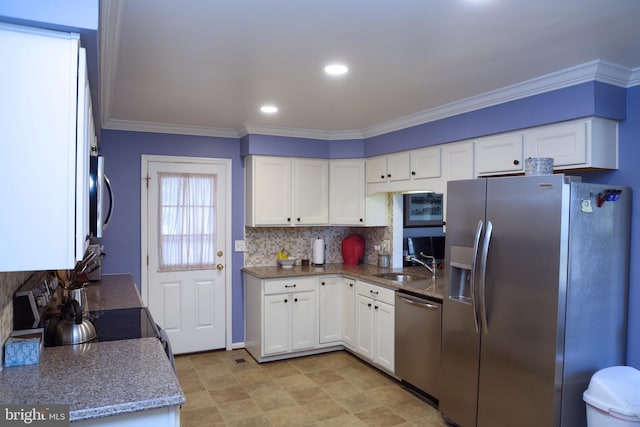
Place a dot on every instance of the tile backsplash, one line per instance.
(263, 243)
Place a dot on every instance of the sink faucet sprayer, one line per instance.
(434, 264)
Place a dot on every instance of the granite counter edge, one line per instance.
(126, 408)
(366, 272)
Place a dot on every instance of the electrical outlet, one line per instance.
(240, 246)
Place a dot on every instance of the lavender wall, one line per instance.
(629, 175)
(123, 151)
(583, 100)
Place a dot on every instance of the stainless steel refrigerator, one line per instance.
(535, 298)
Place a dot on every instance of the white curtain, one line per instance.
(187, 221)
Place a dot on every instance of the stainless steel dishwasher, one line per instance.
(417, 339)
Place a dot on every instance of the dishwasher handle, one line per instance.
(426, 305)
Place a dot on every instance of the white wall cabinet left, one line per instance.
(46, 129)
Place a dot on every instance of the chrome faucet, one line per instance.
(434, 264)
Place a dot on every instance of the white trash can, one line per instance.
(613, 398)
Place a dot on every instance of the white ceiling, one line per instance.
(206, 66)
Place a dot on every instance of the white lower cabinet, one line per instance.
(330, 309)
(289, 315)
(348, 312)
(375, 322)
(304, 315)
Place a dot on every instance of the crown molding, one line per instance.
(634, 80)
(136, 126)
(300, 133)
(595, 70)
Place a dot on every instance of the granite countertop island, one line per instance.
(99, 379)
(427, 286)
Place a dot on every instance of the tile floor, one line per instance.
(332, 389)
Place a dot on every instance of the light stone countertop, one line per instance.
(429, 287)
(98, 379)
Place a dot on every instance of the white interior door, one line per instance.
(186, 288)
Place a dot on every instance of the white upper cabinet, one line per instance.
(404, 166)
(283, 191)
(426, 163)
(500, 154)
(311, 191)
(348, 203)
(389, 168)
(269, 189)
(377, 169)
(43, 126)
(414, 170)
(399, 166)
(590, 143)
(585, 143)
(457, 163)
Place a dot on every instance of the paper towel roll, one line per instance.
(318, 252)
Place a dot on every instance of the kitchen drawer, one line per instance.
(285, 286)
(376, 292)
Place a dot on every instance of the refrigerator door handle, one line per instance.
(474, 262)
(483, 277)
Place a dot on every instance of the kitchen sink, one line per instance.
(400, 277)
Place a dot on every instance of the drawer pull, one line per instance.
(373, 292)
(290, 286)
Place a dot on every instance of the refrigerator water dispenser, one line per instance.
(461, 266)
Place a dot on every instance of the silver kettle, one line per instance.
(73, 328)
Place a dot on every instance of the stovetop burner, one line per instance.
(119, 324)
(123, 324)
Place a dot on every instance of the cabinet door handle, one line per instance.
(376, 307)
(322, 283)
(288, 219)
(388, 175)
(295, 300)
(351, 285)
(290, 286)
(298, 219)
(369, 305)
(285, 301)
(413, 172)
(516, 162)
(361, 220)
(382, 176)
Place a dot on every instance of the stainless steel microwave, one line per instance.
(100, 197)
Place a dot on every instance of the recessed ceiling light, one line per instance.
(269, 109)
(336, 69)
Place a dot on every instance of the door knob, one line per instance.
(220, 253)
(219, 267)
